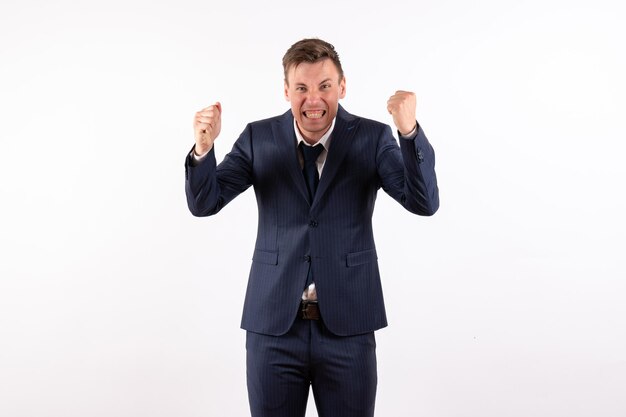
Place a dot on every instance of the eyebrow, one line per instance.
(321, 82)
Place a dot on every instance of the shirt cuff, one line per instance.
(198, 158)
(412, 134)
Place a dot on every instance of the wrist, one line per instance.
(409, 131)
(200, 151)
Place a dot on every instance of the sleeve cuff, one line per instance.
(412, 134)
(196, 157)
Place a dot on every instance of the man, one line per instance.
(314, 296)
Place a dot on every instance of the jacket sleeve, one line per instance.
(407, 173)
(209, 187)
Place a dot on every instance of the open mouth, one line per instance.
(314, 114)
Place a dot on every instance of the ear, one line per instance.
(286, 91)
(342, 88)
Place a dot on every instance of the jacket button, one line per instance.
(312, 223)
(307, 258)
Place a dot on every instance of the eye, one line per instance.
(325, 86)
(300, 89)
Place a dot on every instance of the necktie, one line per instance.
(310, 155)
(311, 175)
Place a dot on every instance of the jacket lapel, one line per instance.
(342, 135)
(286, 140)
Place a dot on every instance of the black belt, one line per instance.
(309, 310)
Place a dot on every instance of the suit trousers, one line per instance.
(341, 370)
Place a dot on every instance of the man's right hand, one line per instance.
(207, 125)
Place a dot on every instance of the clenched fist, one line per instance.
(402, 107)
(207, 124)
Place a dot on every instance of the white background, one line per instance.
(116, 301)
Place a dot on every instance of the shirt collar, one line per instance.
(324, 140)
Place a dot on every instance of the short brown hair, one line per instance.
(311, 51)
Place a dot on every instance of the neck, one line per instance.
(312, 139)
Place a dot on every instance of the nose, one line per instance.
(313, 97)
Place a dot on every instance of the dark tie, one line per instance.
(311, 176)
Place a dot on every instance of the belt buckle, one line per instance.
(310, 310)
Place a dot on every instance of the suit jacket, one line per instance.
(333, 233)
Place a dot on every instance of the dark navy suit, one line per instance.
(332, 234)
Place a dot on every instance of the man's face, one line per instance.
(314, 91)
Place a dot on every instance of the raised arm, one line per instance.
(209, 187)
(408, 174)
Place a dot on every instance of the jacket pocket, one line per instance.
(360, 258)
(265, 257)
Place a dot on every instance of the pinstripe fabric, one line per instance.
(333, 233)
(340, 369)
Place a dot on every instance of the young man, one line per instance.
(314, 296)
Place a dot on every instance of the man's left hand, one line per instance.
(402, 107)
